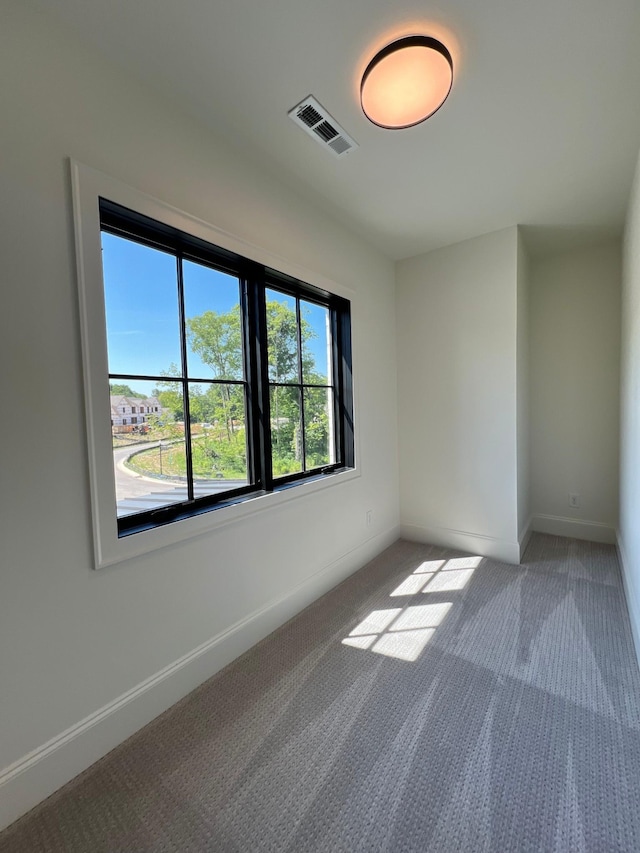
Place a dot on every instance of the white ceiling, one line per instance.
(542, 127)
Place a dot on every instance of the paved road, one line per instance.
(135, 493)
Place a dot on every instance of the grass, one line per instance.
(211, 459)
(214, 457)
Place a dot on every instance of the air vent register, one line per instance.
(316, 121)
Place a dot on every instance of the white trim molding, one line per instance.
(474, 543)
(575, 528)
(88, 186)
(42, 771)
(633, 605)
(524, 535)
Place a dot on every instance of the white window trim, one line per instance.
(88, 185)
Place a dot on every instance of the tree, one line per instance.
(217, 339)
(286, 402)
(118, 389)
(170, 394)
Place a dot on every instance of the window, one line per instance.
(251, 370)
(242, 360)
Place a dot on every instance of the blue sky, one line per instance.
(141, 304)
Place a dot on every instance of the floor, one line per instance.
(434, 701)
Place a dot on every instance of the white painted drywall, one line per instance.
(457, 365)
(72, 639)
(629, 529)
(575, 341)
(523, 392)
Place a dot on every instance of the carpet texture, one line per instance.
(432, 702)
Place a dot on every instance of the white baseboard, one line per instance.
(41, 772)
(633, 606)
(524, 536)
(557, 525)
(475, 543)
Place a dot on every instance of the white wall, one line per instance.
(72, 640)
(575, 340)
(457, 365)
(629, 530)
(523, 394)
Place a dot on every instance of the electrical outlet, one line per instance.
(574, 500)
(369, 517)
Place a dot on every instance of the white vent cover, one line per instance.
(312, 117)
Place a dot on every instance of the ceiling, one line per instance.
(542, 127)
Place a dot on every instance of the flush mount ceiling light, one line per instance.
(406, 82)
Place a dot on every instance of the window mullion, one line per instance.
(345, 386)
(258, 375)
(185, 378)
(337, 387)
(301, 380)
(254, 471)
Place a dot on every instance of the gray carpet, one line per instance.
(426, 704)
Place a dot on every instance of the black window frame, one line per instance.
(254, 279)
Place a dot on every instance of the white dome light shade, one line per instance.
(406, 82)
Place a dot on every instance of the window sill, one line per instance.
(113, 549)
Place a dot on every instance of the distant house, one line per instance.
(128, 413)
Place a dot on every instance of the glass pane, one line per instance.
(286, 431)
(218, 437)
(141, 302)
(148, 448)
(318, 427)
(282, 336)
(214, 334)
(316, 337)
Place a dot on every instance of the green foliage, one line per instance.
(282, 342)
(286, 421)
(119, 389)
(170, 395)
(316, 427)
(217, 340)
(214, 455)
(163, 426)
(286, 426)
